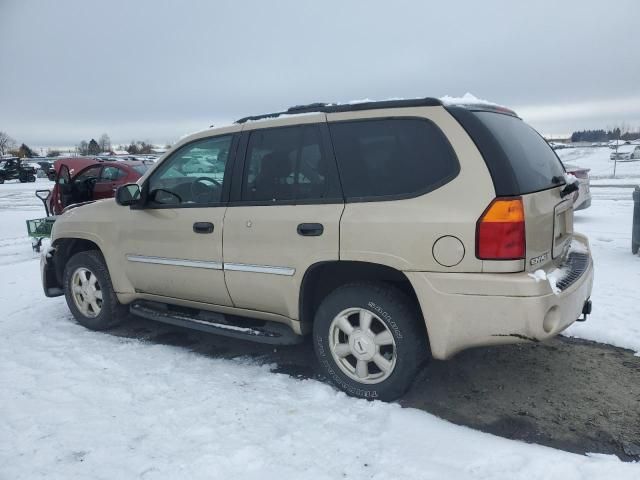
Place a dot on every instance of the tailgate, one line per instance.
(548, 228)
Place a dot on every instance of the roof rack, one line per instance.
(347, 107)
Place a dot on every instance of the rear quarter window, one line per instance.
(519, 159)
(392, 158)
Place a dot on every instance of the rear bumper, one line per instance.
(466, 310)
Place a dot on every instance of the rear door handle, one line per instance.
(203, 227)
(310, 229)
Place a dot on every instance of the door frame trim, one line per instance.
(179, 262)
(233, 267)
(246, 267)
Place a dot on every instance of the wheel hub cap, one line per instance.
(362, 345)
(86, 292)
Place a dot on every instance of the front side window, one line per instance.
(91, 174)
(392, 157)
(286, 164)
(193, 175)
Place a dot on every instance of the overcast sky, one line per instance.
(155, 70)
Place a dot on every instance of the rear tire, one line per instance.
(31, 178)
(369, 340)
(89, 292)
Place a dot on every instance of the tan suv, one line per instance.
(389, 231)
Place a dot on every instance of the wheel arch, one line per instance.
(322, 278)
(65, 248)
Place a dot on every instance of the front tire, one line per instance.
(369, 340)
(89, 292)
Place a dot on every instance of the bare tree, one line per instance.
(105, 143)
(6, 143)
(83, 147)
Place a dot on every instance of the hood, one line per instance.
(76, 205)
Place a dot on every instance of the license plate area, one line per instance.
(562, 228)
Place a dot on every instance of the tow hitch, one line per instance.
(586, 310)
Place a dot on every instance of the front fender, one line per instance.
(93, 226)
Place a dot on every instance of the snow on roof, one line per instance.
(467, 99)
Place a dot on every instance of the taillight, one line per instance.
(500, 230)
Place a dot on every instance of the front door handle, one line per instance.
(310, 229)
(203, 227)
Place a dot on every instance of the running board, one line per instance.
(217, 323)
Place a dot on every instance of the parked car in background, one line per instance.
(198, 165)
(626, 153)
(14, 168)
(558, 146)
(582, 197)
(617, 143)
(84, 179)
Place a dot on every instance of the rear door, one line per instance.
(285, 216)
(108, 182)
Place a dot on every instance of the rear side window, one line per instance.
(535, 165)
(112, 173)
(392, 157)
(286, 164)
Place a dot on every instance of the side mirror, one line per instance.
(128, 194)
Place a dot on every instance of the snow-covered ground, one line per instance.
(597, 159)
(81, 404)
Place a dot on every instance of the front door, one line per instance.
(286, 217)
(173, 245)
(62, 191)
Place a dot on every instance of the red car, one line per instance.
(83, 179)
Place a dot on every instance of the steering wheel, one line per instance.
(199, 188)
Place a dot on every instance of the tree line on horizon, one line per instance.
(602, 135)
(136, 147)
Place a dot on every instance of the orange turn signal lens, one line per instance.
(504, 210)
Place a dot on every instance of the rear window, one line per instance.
(534, 164)
(392, 157)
